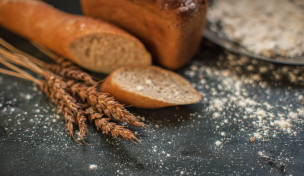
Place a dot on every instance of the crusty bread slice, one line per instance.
(93, 44)
(149, 87)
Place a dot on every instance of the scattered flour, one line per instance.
(93, 166)
(218, 143)
(231, 100)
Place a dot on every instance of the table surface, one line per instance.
(249, 122)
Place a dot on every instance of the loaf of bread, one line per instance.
(93, 44)
(170, 29)
(149, 87)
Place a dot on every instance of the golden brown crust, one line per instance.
(56, 30)
(171, 30)
(178, 8)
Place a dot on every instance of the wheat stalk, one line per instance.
(63, 67)
(54, 87)
(66, 68)
(70, 73)
(106, 126)
(95, 104)
(104, 103)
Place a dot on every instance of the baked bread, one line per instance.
(92, 44)
(149, 87)
(170, 29)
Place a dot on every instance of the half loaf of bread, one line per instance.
(149, 87)
(170, 29)
(92, 44)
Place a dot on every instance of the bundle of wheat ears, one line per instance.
(72, 90)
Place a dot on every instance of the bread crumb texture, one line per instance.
(158, 84)
(108, 52)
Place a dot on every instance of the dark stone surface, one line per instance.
(201, 139)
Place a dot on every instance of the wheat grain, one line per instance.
(104, 125)
(104, 103)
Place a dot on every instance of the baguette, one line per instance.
(171, 29)
(149, 87)
(92, 44)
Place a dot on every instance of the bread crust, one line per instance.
(171, 30)
(137, 100)
(55, 29)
